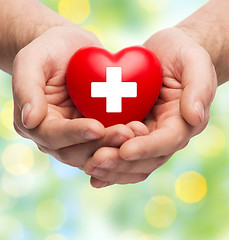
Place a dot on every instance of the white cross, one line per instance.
(113, 89)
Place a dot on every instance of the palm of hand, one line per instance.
(188, 77)
(175, 53)
(165, 116)
(58, 99)
(57, 126)
(69, 40)
(53, 110)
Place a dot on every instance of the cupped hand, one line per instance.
(43, 111)
(181, 112)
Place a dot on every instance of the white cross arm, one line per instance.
(114, 89)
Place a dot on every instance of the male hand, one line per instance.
(43, 110)
(181, 112)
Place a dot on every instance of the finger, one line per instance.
(118, 178)
(77, 155)
(60, 133)
(199, 85)
(56, 133)
(107, 159)
(170, 138)
(115, 136)
(138, 128)
(28, 89)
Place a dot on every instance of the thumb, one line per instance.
(28, 84)
(199, 85)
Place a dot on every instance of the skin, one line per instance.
(36, 55)
(61, 130)
(189, 54)
(181, 112)
(194, 57)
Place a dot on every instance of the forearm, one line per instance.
(209, 26)
(21, 21)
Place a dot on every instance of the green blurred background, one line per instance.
(188, 198)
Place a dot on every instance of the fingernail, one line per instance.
(98, 172)
(89, 135)
(25, 113)
(100, 184)
(200, 110)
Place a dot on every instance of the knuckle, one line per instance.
(17, 89)
(98, 161)
(17, 58)
(119, 128)
(93, 38)
(90, 37)
(208, 90)
(179, 138)
(185, 143)
(180, 141)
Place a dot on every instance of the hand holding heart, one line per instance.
(181, 112)
(114, 88)
(122, 153)
(43, 111)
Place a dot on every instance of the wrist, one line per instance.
(42, 20)
(208, 29)
(211, 39)
(23, 25)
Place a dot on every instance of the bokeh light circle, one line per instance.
(102, 198)
(191, 187)
(18, 159)
(17, 186)
(154, 5)
(130, 235)
(210, 142)
(51, 214)
(11, 228)
(150, 237)
(6, 121)
(55, 237)
(95, 30)
(41, 162)
(76, 11)
(162, 183)
(223, 234)
(6, 201)
(137, 235)
(6, 115)
(160, 211)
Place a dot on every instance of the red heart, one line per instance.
(114, 88)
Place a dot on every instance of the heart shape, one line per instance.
(114, 88)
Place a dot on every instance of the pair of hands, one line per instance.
(121, 154)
